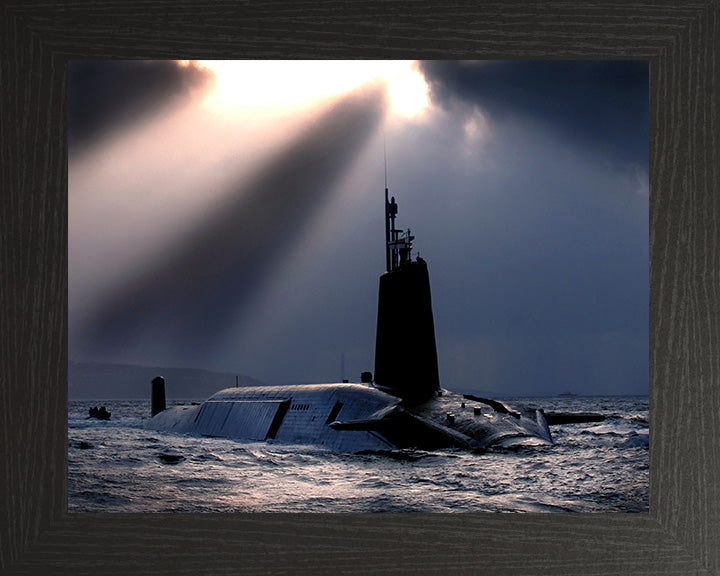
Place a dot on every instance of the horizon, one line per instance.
(240, 374)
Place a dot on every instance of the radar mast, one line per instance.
(398, 243)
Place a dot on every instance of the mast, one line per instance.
(388, 265)
(398, 243)
(387, 232)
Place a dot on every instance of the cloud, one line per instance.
(598, 105)
(530, 245)
(104, 95)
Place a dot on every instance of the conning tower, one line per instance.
(405, 351)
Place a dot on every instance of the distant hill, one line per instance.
(98, 381)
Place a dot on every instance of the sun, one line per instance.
(252, 84)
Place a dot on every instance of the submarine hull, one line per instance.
(404, 408)
(350, 418)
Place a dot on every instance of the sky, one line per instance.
(229, 216)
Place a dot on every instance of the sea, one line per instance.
(119, 466)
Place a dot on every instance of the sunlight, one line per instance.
(285, 83)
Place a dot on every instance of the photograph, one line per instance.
(358, 286)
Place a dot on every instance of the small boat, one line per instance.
(99, 414)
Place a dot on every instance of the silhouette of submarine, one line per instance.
(404, 407)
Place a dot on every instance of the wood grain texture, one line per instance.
(680, 535)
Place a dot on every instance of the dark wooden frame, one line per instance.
(680, 534)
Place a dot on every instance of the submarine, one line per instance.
(401, 406)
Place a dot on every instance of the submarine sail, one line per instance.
(405, 351)
(404, 405)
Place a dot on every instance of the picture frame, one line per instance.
(680, 533)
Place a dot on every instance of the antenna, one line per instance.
(397, 248)
(388, 265)
(387, 231)
(385, 158)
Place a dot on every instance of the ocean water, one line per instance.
(118, 466)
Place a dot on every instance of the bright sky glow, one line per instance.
(264, 83)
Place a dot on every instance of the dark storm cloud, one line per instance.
(602, 105)
(192, 297)
(105, 94)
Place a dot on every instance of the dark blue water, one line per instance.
(118, 466)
